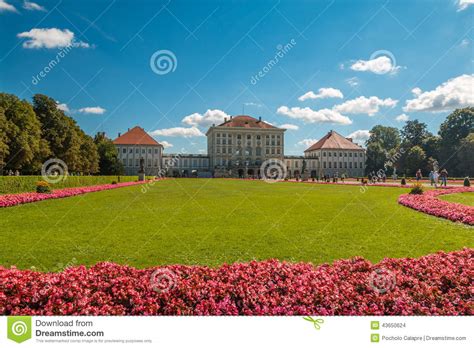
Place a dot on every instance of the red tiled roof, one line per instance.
(136, 136)
(334, 140)
(246, 122)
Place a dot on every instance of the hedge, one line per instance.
(18, 184)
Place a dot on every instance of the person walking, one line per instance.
(431, 178)
(418, 175)
(435, 178)
(444, 177)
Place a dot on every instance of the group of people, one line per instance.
(374, 177)
(434, 177)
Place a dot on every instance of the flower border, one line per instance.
(429, 203)
(436, 284)
(10, 200)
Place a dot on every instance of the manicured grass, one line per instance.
(212, 221)
(466, 198)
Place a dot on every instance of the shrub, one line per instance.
(416, 189)
(467, 182)
(114, 182)
(404, 181)
(286, 179)
(43, 187)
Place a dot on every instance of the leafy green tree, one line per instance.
(415, 159)
(89, 155)
(109, 163)
(382, 146)
(414, 133)
(465, 155)
(3, 139)
(458, 125)
(23, 132)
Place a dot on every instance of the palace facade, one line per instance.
(237, 148)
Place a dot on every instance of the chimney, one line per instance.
(119, 135)
(128, 130)
(260, 119)
(225, 119)
(231, 117)
(350, 139)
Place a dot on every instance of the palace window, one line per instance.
(137, 150)
(345, 164)
(324, 165)
(355, 164)
(278, 151)
(335, 154)
(218, 141)
(345, 154)
(239, 136)
(156, 151)
(143, 151)
(335, 165)
(130, 162)
(324, 154)
(131, 150)
(350, 154)
(350, 165)
(329, 154)
(149, 151)
(355, 154)
(278, 143)
(340, 154)
(218, 135)
(124, 150)
(258, 137)
(267, 151)
(329, 164)
(258, 151)
(340, 164)
(137, 163)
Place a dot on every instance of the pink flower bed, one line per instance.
(29, 197)
(430, 204)
(437, 284)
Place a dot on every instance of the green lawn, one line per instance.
(466, 198)
(212, 221)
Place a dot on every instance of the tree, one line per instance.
(458, 125)
(23, 132)
(465, 156)
(414, 133)
(415, 159)
(89, 155)
(3, 139)
(382, 147)
(109, 162)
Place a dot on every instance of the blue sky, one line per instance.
(357, 64)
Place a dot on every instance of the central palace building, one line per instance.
(237, 148)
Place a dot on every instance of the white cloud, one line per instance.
(4, 6)
(416, 91)
(364, 105)
(165, 144)
(63, 107)
(402, 118)
(309, 115)
(322, 94)
(178, 132)
(32, 6)
(306, 142)
(463, 4)
(359, 136)
(455, 93)
(380, 65)
(289, 126)
(97, 110)
(210, 117)
(253, 104)
(353, 81)
(465, 43)
(50, 38)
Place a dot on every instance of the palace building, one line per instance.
(237, 148)
(136, 144)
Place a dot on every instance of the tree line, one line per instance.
(32, 133)
(414, 147)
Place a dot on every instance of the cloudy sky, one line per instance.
(176, 67)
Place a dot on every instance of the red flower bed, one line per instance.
(437, 284)
(29, 197)
(428, 203)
